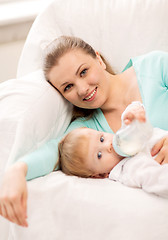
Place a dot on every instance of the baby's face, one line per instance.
(101, 157)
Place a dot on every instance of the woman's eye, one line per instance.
(101, 139)
(99, 155)
(83, 72)
(68, 87)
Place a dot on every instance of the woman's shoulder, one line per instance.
(152, 63)
(151, 57)
(147, 59)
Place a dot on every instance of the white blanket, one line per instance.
(64, 207)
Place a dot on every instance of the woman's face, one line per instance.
(81, 79)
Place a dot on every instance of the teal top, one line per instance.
(152, 75)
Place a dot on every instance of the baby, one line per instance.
(79, 149)
(87, 153)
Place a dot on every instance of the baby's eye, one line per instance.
(101, 139)
(84, 71)
(99, 155)
(68, 87)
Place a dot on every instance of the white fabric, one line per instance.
(31, 112)
(62, 207)
(142, 171)
(119, 29)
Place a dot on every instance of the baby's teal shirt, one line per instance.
(152, 75)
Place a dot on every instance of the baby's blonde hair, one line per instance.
(73, 151)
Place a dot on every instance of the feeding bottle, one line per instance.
(130, 139)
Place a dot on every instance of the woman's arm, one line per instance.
(161, 148)
(42, 161)
(13, 194)
(13, 188)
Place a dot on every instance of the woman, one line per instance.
(82, 77)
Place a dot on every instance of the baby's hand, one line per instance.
(134, 111)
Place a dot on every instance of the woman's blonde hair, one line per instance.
(72, 151)
(59, 47)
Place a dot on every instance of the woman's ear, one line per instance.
(100, 60)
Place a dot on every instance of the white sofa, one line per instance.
(61, 207)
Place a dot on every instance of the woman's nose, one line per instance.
(82, 89)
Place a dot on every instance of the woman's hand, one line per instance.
(161, 148)
(13, 194)
(134, 111)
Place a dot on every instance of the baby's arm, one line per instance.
(134, 111)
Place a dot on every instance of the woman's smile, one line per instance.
(80, 79)
(91, 95)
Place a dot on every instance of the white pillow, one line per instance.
(119, 29)
(31, 112)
